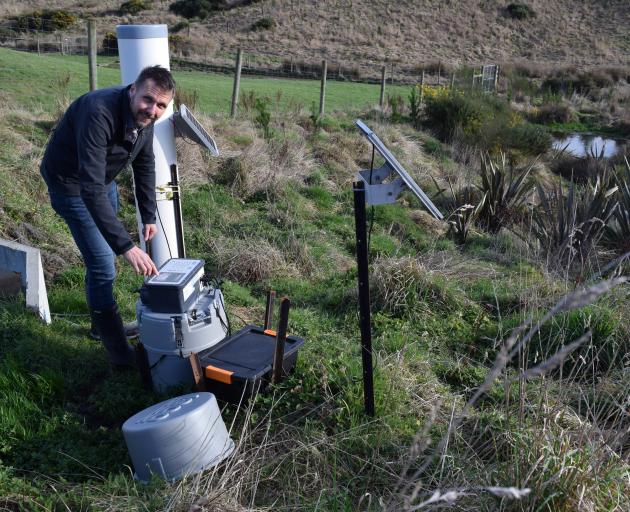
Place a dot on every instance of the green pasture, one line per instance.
(33, 79)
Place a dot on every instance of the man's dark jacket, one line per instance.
(88, 150)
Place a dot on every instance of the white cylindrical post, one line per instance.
(140, 46)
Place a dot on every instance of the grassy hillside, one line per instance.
(454, 415)
(365, 34)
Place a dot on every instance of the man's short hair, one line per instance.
(161, 77)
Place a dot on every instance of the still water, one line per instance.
(582, 144)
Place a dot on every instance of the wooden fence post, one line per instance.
(381, 100)
(92, 53)
(237, 82)
(422, 87)
(322, 93)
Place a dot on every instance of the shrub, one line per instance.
(553, 113)
(176, 42)
(569, 226)
(196, 8)
(448, 112)
(263, 24)
(134, 6)
(414, 105)
(526, 138)
(45, 20)
(520, 11)
(434, 147)
(110, 44)
(182, 25)
(503, 187)
(395, 103)
(263, 116)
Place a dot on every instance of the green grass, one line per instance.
(435, 337)
(214, 89)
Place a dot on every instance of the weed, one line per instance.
(186, 97)
(396, 104)
(414, 106)
(263, 116)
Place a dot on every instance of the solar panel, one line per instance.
(394, 166)
(189, 127)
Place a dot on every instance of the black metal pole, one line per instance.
(364, 296)
(177, 205)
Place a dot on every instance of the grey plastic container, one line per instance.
(177, 438)
(199, 330)
(168, 350)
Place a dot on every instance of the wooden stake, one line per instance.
(92, 54)
(381, 101)
(197, 371)
(237, 82)
(322, 93)
(281, 336)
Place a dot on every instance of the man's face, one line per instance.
(148, 102)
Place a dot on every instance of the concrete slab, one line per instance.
(27, 262)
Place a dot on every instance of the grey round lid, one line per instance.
(168, 411)
(141, 31)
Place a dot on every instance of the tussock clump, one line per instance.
(248, 261)
(192, 163)
(339, 153)
(403, 286)
(265, 166)
(553, 113)
(300, 255)
(434, 227)
(409, 151)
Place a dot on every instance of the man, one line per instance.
(100, 133)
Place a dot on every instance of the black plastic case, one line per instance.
(239, 366)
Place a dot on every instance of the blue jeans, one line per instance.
(97, 255)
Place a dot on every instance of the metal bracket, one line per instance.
(168, 189)
(377, 192)
(177, 326)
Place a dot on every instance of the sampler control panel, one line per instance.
(176, 288)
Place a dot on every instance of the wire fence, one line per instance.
(40, 35)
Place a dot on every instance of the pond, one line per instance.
(583, 144)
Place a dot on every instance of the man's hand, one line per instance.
(149, 231)
(140, 261)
